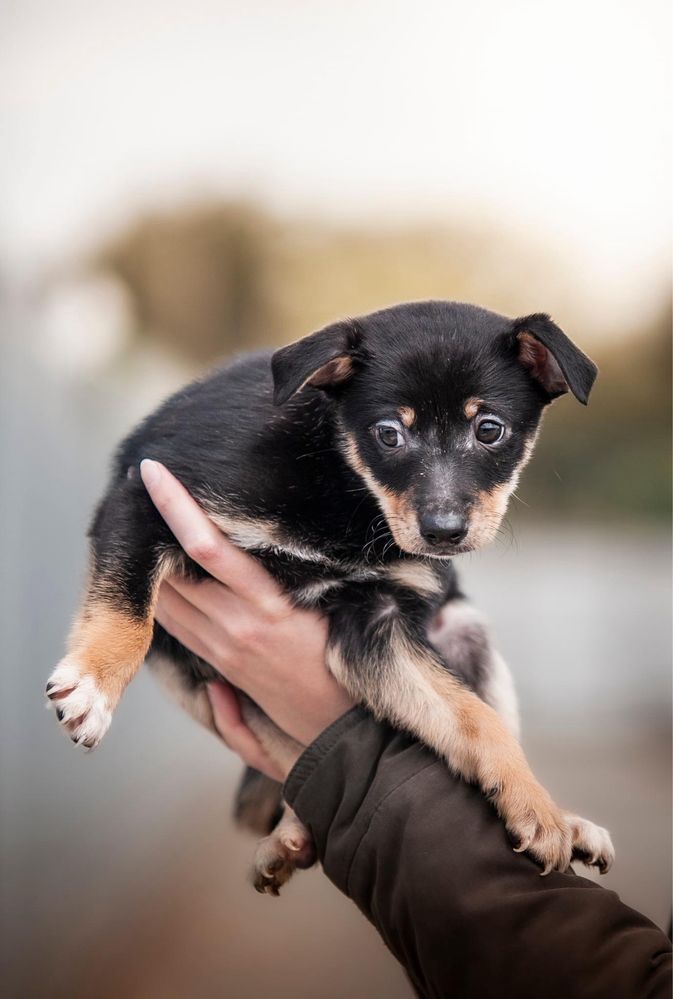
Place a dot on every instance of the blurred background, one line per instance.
(180, 182)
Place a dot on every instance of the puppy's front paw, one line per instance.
(81, 707)
(591, 844)
(537, 826)
(278, 856)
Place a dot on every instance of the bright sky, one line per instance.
(550, 117)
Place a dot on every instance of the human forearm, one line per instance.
(427, 860)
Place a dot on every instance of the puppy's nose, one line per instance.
(443, 528)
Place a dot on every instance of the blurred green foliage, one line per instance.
(214, 279)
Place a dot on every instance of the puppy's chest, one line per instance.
(313, 584)
(317, 571)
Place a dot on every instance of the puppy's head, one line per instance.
(438, 405)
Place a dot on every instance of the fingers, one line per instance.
(236, 734)
(210, 614)
(186, 624)
(212, 599)
(205, 543)
(172, 602)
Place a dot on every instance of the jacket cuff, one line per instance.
(341, 781)
(313, 755)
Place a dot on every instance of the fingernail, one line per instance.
(149, 472)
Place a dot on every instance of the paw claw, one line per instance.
(591, 844)
(538, 828)
(278, 856)
(80, 706)
(266, 886)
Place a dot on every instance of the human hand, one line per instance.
(245, 627)
(238, 737)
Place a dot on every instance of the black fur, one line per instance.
(579, 370)
(354, 463)
(239, 451)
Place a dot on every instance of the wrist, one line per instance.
(306, 728)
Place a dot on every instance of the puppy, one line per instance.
(355, 464)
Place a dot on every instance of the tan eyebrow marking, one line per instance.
(407, 415)
(472, 407)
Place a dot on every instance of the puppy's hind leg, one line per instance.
(185, 690)
(289, 845)
(113, 629)
(284, 850)
(259, 805)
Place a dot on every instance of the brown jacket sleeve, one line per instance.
(427, 860)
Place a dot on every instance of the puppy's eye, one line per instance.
(489, 431)
(389, 435)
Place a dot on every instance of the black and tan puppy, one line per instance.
(355, 463)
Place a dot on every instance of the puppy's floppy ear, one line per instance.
(323, 359)
(552, 358)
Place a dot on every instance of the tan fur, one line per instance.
(416, 576)
(500, 693)
(472, 407)
(338, 370)
(541, 364)
(400, 512)
(109, 646)
(487, 512)
(532, 353)
(289, 846)
(245, 532)
(258, 533)
(490, 505)
(422, 697)
(528, 449)
(398, 508)
(407, 415)
(458, 625)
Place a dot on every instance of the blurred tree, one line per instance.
(198, 278)
(218, 278)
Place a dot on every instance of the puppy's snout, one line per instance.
(443, 528)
